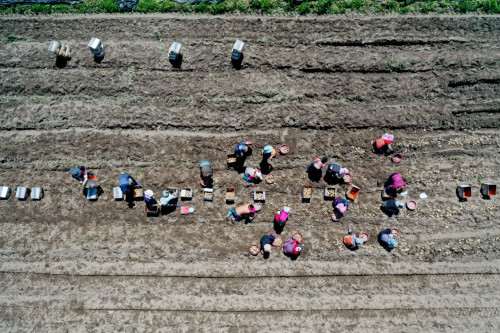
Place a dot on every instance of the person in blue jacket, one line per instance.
(127, 184)
(266, 243)
(386, 239)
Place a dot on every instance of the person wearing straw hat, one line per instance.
(351, 241)
(383, 144)
(386, 239)
(266, 244)
(252, 175)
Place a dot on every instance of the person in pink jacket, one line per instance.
(280, 219)
(395, 184)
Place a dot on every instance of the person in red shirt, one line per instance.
(383, 145)
(292, 248)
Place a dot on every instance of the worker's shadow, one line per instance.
(165, 210)
(237, 62)
(292, 257)
(314, 176)
(330, 179)
(383, 244)
(61, 62)
(278, 228)
(265, 167)
(129, 198)
(389, 212)
(100, 191)
(98, 60)
(177, 63)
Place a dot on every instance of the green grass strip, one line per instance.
(268, 7)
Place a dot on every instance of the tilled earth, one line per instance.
(324, 86)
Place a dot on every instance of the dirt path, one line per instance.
(325, 86)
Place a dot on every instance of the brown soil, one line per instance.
(324, 86)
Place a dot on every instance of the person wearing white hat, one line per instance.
(149, 198)
(266, 243)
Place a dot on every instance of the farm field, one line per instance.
(324, 86)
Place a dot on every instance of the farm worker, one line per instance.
(246, 212)
(292, 248)
(341, 205)
(282, 216)
(241, 149)
(336, 171)
(392, 206)
(280, 219)
(386, 238)
(149, 198)
(86, 178)
(206, 173)
(167, 196)
(127, 183)
(383, 145)
(252, 175)
(318, 164)
(395, 183)
(268, 152)
(351, 241)
(266, 243)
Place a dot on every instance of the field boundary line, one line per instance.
(492, 309)
(250, 276)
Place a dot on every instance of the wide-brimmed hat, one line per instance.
(388, 137)
(148, 194)
(344, 171)
(358, 241)
(258, 174)
(298, 249)
(76, 172)
(267, 248)
(287, 209)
